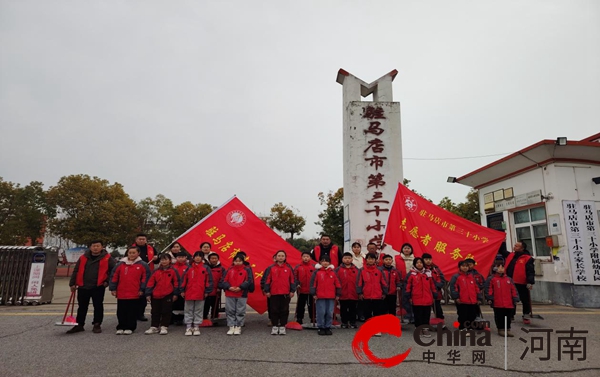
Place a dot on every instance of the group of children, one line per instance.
(364, 287)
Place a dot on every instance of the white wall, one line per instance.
(563, 181)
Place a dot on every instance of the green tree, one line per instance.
(185, 215)
(285, 219)
(302, 244)
(155, 217)
(468, 209)
(331, 219)
(92, 208)
(23, 212)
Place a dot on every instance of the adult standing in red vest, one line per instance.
(325, 247)
(148, 255)
(520, 268)
(90, 279)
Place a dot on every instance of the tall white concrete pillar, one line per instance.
(372, 157)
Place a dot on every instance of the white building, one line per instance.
(548, 194)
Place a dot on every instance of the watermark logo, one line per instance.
(387, 324)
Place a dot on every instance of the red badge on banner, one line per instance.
(447, 237)
(232, 228)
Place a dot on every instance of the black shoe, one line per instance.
(75, 329)
(353, 326)
(344, 326)
(299, 321)
(321, 332)
(142, 319)
(97, 329)
(362, 319)
(328, 332)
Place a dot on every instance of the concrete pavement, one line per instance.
(30, 344)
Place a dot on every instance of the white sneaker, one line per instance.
(231, 330)
(127, 332)
(237, 330)
(151, 330)
(282, 331)
(163, 330)
(189, 331)
(119, 332)
(378, 334)
(196, 331)
(275, 330)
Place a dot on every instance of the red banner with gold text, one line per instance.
(447, 237)
(232, 228)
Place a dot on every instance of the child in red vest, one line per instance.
(280, 286)
(465, 292)
(197, 284)
(393, 282)
(419, 292)
(217, 271)
(127, 284)
(347, 274)
(180, 265)
(302, 273)
(405, 260)
(326, 289)
(90, 279)
(502, 295)
(371, 288)
(236, 283)
(162, 289)
(439, 281)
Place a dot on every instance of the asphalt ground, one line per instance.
(32, 345)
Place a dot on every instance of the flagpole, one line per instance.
(202, 220)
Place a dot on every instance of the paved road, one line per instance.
(30, 344)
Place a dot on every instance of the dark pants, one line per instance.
(279, 310)
(499, 315)
(268, 308)
(305, 299)
(161, 311)
(406, 305)
(83, 302)
(422, 315)
(209, 307)
(141, 307)
(373, 308)
(525, 297)
(439, 313)
(127, 313)
(389, 304)
(348, 311)
(360, 309)
(466, 313)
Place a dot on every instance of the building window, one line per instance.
(530, 227)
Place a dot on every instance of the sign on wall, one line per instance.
(583, 236)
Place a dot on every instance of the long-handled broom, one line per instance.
(294, 325)
(208, 322)
(70, 320)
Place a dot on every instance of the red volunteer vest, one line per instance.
(519, 273)
(102, 270)
(333, 254)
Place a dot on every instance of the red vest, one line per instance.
(333, 255)
(102, 270)
(519, 273)
(150, 251)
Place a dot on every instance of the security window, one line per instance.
(530, 226)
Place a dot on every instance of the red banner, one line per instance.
(447, 237)
(232, 228)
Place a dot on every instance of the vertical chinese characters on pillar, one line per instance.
(374, 155)
(582, 239)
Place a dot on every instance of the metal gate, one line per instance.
(27, 274)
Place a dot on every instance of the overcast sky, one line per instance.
(201, 100)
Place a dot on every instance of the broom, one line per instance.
(313, 325)
(70, 320)
(294, 325)
(436, 321)
(207, 322)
